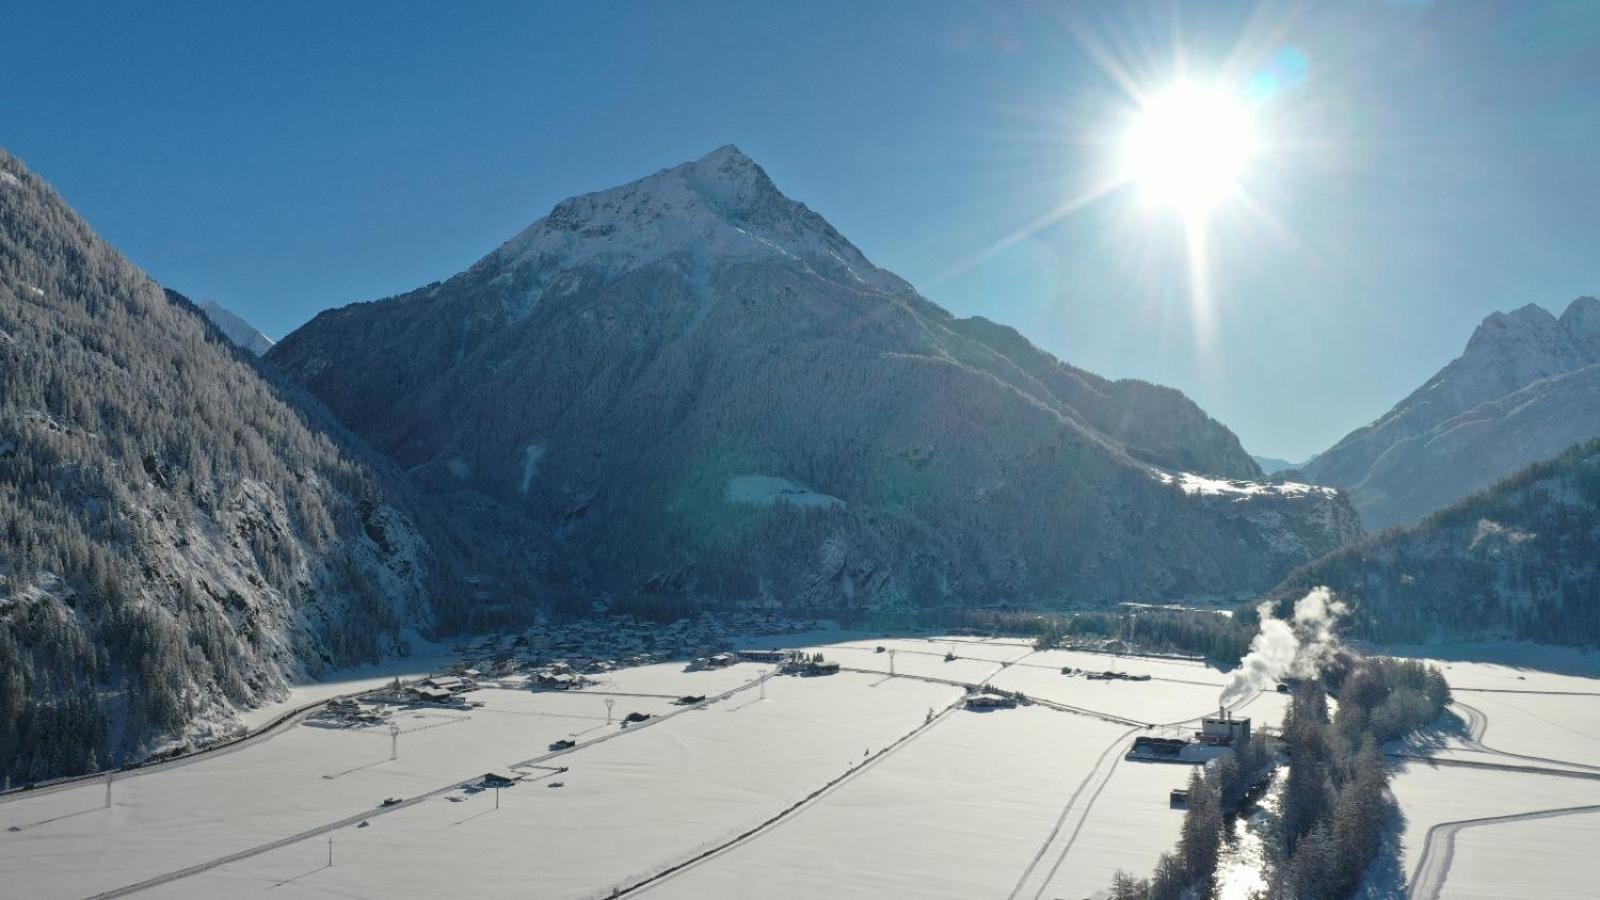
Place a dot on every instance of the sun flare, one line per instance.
(1187, 148)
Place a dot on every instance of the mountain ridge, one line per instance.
(612, 367)
(243, 335)
(1519, 559)
(1435, 446)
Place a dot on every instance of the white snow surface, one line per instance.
(241, 333)
(1205, 486)
(721, 209)
(778, 788)
(765, 490)
(999, 787)
(1534, 748)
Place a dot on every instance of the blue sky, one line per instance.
(1429, 163)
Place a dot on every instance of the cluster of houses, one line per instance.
(450, 689)
(347, 712)
(557, 676)
(1107, 675)
(714, 661)
(548, 653)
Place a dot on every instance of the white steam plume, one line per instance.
(1297, 647)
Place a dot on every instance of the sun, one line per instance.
(1186, 148)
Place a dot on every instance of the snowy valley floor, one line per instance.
(859, 784)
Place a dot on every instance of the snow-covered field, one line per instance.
(859, 784)
(1511, 808)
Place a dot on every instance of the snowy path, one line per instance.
(368, 814)
(1099, 776)
(1478, 726)
(1498, 767)
(1103, 771)
(646, 884)
(1432, 869)
(766, 826)
(277, 726)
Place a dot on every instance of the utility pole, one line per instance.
(109, 775)
(609, 703)
(891, 663)
(330, 852)
(763, 687)
(394, 742)
(496, 798)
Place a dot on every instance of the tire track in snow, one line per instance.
(208, 865)
(1439, 850)
(1478, 726)
(1066, 810)
(1088, 807)
(788, 813)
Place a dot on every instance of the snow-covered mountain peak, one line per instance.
(240, 332)
(719, 209)
(1582, 320)
(1529, 322)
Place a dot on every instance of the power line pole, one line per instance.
(109, 775)
(330, 852)
(891, 663)
(609, 703)
(496, 798)
(394, 742)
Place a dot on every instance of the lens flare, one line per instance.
(1186, 148)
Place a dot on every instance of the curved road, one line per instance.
(1437, 853)
(1439, 849)
(1478, 725)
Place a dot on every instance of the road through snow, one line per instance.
(169, 877)
(1432, 869)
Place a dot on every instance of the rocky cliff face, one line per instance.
(178, 534)
(701, 387)
(1520, 559)
(1527, 386)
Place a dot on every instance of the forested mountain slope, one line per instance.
(1521, 559)
(1527, 386)
(709, 392)
(177, 534)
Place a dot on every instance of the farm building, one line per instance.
(767, 656)
(990, 701)
(430, 694)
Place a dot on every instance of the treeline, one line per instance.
(1220, 638)
(1214, 791)
(1335, 801)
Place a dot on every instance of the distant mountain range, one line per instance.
(1271, 465)
(1519, 559)
(241, 333)
(1526, 387)
(703, 390)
